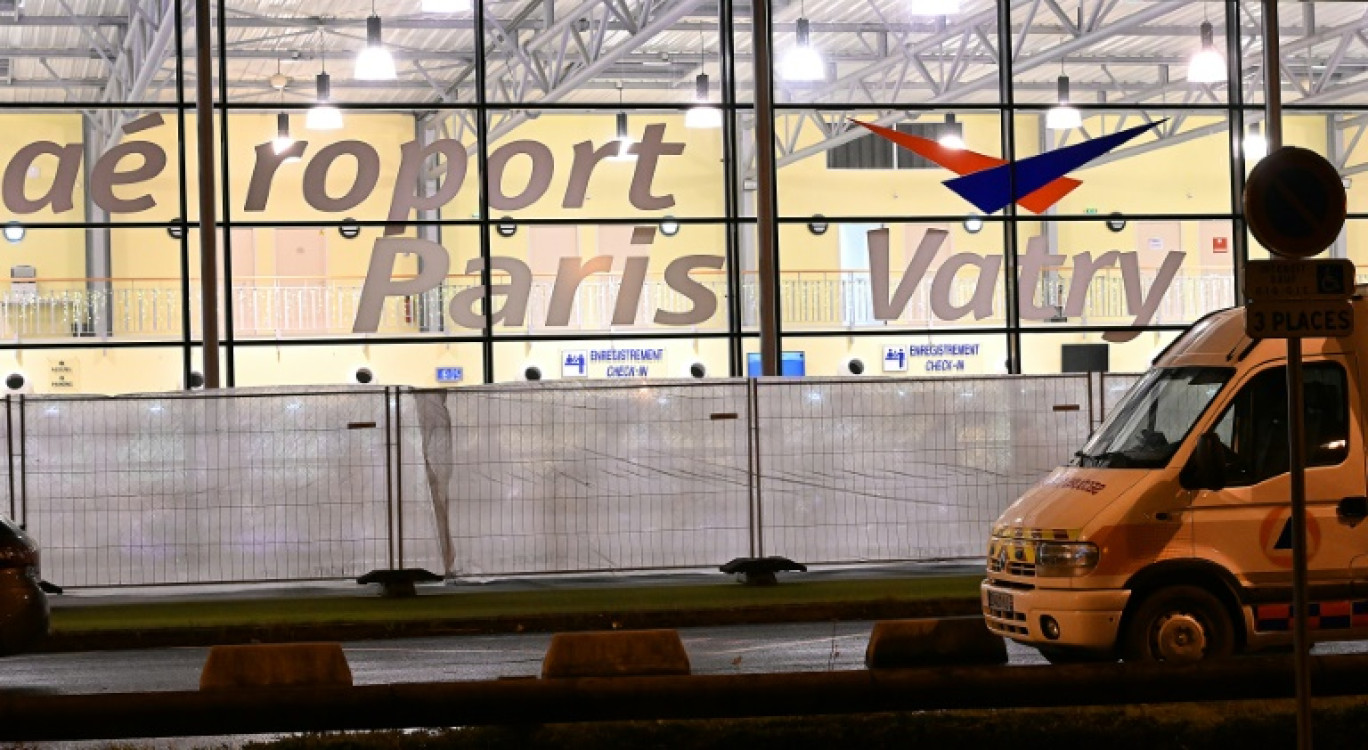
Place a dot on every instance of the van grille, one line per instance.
(1004, 621)
(1012, 568)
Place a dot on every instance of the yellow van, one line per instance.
(1168, 536)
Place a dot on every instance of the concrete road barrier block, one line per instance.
(930, 642)
(615, 653)
(276, 665)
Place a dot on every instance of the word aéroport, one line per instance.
(465, 308)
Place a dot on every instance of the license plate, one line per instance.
(999, 601)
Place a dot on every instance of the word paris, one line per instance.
(466, 305)
(110, 170)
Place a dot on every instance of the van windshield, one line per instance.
(1151, 422)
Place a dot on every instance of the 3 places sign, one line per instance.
(1295, 203)
(1299, 298)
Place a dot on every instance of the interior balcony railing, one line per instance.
(840, 299)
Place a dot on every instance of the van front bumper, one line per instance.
(1086, 619)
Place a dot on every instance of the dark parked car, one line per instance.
(23, 604)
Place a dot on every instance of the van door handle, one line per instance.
(1352, 510)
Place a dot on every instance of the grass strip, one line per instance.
(458, 603)
(1337, 723)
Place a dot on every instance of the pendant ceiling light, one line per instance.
(951, 133)
(624, 138)
(1063, 116)
(702, 115)
(374, 62)
(1207, 66)
(282, 140)
(934, 7)
(1254, 146)
(446, 6)
(323, 115)
(803, 62)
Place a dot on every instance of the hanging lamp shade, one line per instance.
(950, 134)
(446, 6)
(323, 115)
(934, 7)
(282, 140)
(1207, 66)
(624, 139)
(702, 115)
(1063, 116)
(1254, 145)
(374, 62)
(802, 62)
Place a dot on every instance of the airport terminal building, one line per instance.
(433, 194)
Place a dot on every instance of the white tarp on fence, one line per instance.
(258, 485)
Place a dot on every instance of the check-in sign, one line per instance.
(1299, 319)
(1281, 280)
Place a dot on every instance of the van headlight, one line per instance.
(1066, 558)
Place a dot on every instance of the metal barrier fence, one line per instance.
(259, 485)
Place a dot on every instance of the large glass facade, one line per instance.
(568, 189)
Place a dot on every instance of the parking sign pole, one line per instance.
(1296, 429)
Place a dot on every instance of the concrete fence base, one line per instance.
(931, 642)
(276, 665)
(615, 653)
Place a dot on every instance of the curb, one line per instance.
(99, 640)
(29, 717)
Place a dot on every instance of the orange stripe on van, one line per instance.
(1273, 611)
(1335, 609)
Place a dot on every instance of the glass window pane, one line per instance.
(1139, 53)
(829, 165)
(562, 165)
(862, 277)
(1045, 353)
(659, 276)
(423, 365)
(1145, 273)
(1175, 163)
(615, 359)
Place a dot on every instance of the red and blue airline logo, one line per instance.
(1034, 183)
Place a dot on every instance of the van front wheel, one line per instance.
(1179, 624)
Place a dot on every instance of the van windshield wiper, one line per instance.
(1106, 459)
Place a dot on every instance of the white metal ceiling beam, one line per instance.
(989, 80)
(146, 46)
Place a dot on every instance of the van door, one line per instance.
(1247, 526)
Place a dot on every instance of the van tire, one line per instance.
(1178, 624)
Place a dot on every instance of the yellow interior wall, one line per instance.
(1188, 177)
(512, 358)
(807, 187)
(98, 370)
(407, 364)
(57, 255)
(1142, 184)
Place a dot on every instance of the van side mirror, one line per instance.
(1205, 469)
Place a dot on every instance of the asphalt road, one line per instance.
(796, 647)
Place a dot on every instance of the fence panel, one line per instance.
(11, 505)
(259, 485)
(567, 477)
(199, 488)
(881, 469)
